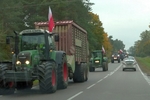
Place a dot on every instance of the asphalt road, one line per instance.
(113, 84)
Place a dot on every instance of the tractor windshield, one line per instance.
(32, 42)
(96, 54)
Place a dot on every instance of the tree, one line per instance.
(107, 45)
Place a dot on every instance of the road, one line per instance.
(113, 84)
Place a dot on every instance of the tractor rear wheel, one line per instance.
(47, 77)
(5, 87)
(62, 73)
(91, 69)
(104, 66)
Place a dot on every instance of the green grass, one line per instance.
(144, 61)
(144, 64)
(36, 82)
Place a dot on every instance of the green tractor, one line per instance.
(98, 60)
(35, 58)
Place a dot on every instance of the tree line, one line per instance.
(141, 47)
(21, 14)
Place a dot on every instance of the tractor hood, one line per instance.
(27, 58)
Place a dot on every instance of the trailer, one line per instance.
(72, 40)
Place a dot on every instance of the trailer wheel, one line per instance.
(47, 77)
(62, 73)
(5, 87)
(86, 71)
(80, 73)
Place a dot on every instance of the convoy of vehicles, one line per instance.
(51, 58)
(98, 60)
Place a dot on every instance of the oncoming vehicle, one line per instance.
(98, 61)
(115, 57)
(129, 63)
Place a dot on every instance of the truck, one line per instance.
(49, 57)
(98, 60)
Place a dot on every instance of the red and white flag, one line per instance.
(51, 23)
(103, 49)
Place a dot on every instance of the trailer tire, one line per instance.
(62, 73)
(86, 71)
(47, 77)
(79, 75)
(6, 88)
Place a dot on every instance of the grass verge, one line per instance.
(144, 64)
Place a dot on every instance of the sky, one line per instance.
(123, 19)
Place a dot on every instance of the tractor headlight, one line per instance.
(27, 62)
(18, 62)
(96, 61)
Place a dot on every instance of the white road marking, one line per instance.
(99, 80)
(75, 95)
(145, 77)
(106, 76)
(90, 86)
(95, 83)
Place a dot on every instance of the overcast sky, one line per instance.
(123, 19)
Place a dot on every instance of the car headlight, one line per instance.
(18, 62)
(27, 62)
(96, 61)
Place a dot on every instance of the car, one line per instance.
(115, 57)
(129, 63)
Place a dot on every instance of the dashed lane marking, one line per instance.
(75, 95)
(91, 86)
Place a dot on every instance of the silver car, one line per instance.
(129, 63)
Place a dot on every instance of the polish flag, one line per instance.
(103, 49)
(51, 23)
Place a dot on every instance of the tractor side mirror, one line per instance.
(56, 38)
(7, 40)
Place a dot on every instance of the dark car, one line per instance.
(115, 57)
(122, 56)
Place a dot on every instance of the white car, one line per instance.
(129, 63)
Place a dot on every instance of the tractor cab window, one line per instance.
(96, 54)
(32, 42)
(51, 41)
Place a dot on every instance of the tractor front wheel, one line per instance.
(47, 77)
